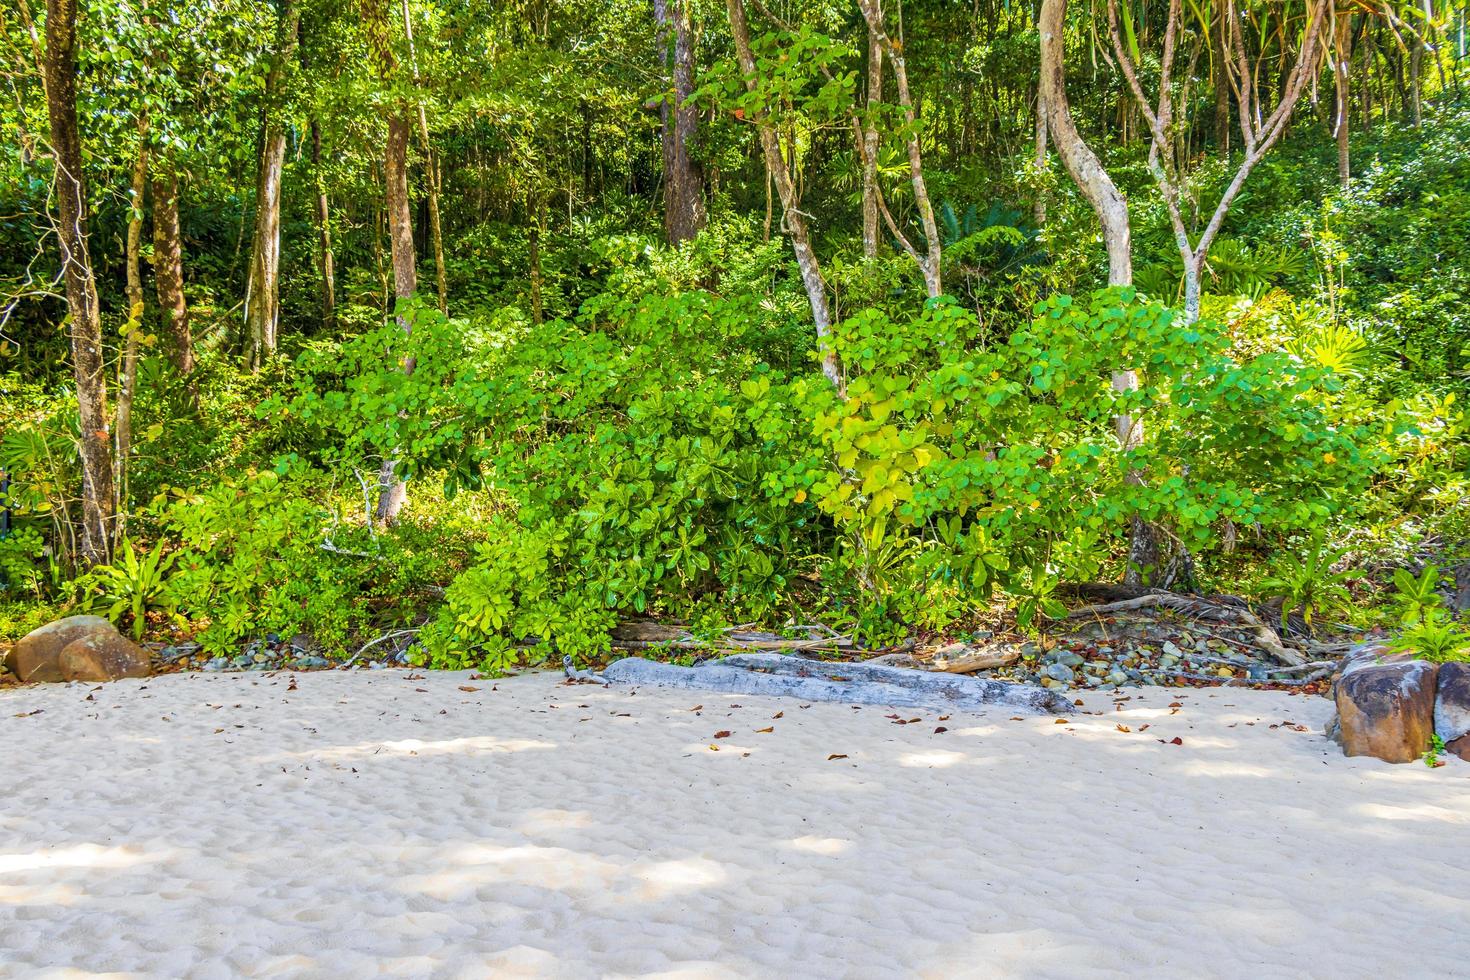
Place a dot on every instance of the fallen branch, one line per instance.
(1266, 637)
(394, 634)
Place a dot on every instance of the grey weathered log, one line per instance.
(845, 683)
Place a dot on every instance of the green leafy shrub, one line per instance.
(990, 466)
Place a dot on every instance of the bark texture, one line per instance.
(60, 69)
(168, 266)
(393, 492)
(684, 212)
(262, 294)
(325, 261)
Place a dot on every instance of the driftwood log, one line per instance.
(844, 683)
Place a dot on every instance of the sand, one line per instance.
(389, 823)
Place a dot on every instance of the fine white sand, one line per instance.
(221, 825)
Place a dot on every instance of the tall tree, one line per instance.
(1341, 61)
(684, 212)
(930, 258)
(1111, 209)
(393, 492)
(868, 145)
(263, 291)
(431, 170)
(793, 218)
(325, 259)
(60, 77)
(168, 263)
(1261, 123)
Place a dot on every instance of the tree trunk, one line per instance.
(1222, 81)
(135, 221)
(538, 212)
(128, 372)
(60, 70)
(792, 217)
(262, 293)
(1112, 214)
(1342, 45)
(392, 491)
(869, 147)
(1039, 209)
(431, 174)
(930, 261)
(1081, 163)
(684, 213)
(168, 265)
(324, 232)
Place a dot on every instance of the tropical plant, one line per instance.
(1310, 584)
(133, 586)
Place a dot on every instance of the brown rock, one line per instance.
(103, 657)
(36, 656)
(1387, 710)
(1452, 708)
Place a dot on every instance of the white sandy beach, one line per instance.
(221, 825)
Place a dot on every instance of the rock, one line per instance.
(37, 656)
(1168, 660)
(218, 663)
(1386, 710)
(1117, 677)
(102, 656)
(1452, 708)
(1060, 672)
(1171, 650)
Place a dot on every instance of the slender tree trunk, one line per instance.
(1112, 214)
(431, 174)
(1416, 62)
(393, 492)
(792, 217)
(139, 190)
(930, 261)
(324, 232)
(869, 146)
(1221, 81)
(128, 371)
(60, 70)
(1081, 163)
(1039, 209)
(262, 294)
(168, 265)
(684, 213)
(1342, 49)
(538, 220)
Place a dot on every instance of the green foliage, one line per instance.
(1309, 585)
(1436, 638)
(20, 551)
(1418, 596)
(1428, 631)
(132, 586)
(991, 464)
